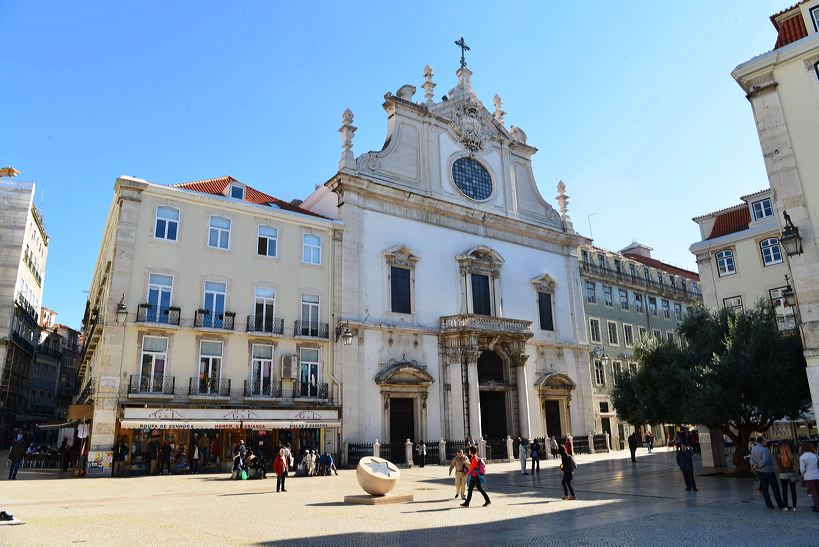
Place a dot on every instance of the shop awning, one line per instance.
(58, 425)
(227, 424)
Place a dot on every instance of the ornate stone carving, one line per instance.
(406, 92)
(428, 85)
(563, 201)
(401, 255)
(469, 125)
(499, 111)
(544, 283)
(518, 134)
(347, 130)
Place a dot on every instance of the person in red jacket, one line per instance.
(280, 465)
(568, 445)
(474, 477)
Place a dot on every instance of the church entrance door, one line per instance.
(552, 411)
(493, 414)
(402, 427)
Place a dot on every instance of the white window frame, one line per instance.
(220, 232)
(814, 15)
(632, 367)
(154, 354)
(593, 299)
(735, 301)
(763, 212)
(312, 248)
(599, 373)
(215, 293)
(609, 303)
(210, 359)
(256, 364)
(176, 221)
(666, 305)
(312, 388)
(274, 239)
(616, 341)
(155, 315)
(239, 187)
(624, 305)
(726, 263)
(264, 300)
(599, 339)
(630, 330)
(768, 247)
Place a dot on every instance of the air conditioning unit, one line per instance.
(290, 367)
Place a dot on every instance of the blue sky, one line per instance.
(630, 103)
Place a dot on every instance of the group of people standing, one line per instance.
(786, 468)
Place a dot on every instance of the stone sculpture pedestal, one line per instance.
(378, 477)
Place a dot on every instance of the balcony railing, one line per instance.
(263, 389)
(311, 329)
(50, 351)
(148, 313)
(22, 342)
(88, 389)
(267, 325)
(206, 319)
(150, 385)
(485, 323)
(26, 305)
(627, 277)
(30, 263)
(311, 391)
(208, 387)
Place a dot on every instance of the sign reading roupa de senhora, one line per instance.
(216, 418)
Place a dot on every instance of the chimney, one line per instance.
(637, 249)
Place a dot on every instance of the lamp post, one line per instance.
(122, 311)
(790, 239)
(344, 332)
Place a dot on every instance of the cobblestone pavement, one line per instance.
(619, 503)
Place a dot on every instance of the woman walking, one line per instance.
(280, 467)
(476, 469)
(568, 466)
(809, 466)
(787, 473)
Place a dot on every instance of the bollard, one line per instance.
(344, 457)
(510, 449)
(408, 453)
(591, 443)
(442, 451)
(482, 448)
(608, 442)
(377, 449)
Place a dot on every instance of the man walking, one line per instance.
(477, 468)
(632, 446)
(763, 464)
(15, 459)
(685, 461)
(460, 464)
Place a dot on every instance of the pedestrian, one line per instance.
(568, 467)
(535, 456)
(470, 441)
(196, 455)
(120, 453)
(632, 446)
(214, 451)
(475, 472)
(418, 453)
(685, 461)
(786, 466)
(289, 454)
(423, 453)
(15, 459)
(763, 465)
(330, 464)
(809, 467)
(553, 446)
(165, 458)
(460, 463)
(569, 446)
(65, 454)
(280, 467)
(650, 441)
(523, 454)
(153, 456)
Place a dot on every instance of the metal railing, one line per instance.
(50, 351)
(627, 277)
(30, 263)
(166, 315)
(264, 389)
(268, 325)
(148, 385)
(471, 321)
(311, 328)
(208, 387)
(206, 319)
(26, 305)
(87, 390)
(312, 391)
(22, 342)
(356, 451)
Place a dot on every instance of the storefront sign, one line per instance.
(237, 424)
(149, 415)
(100, 463)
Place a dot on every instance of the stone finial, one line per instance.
(563, 201)
(428, 85)
(499, 111)
(347, 130)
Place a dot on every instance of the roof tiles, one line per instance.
(790, 30)
(730, 222)
(660, 265)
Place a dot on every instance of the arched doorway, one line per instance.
(493, 395)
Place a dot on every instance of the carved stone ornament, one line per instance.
(544, 283)
(469, 125)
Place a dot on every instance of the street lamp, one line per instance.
(345, 334)
(122, 311)
(790, 239)
(787, 293)
(599, 353)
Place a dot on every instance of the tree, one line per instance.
(736, 373)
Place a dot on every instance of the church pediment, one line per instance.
(404, 373)
(555, 380)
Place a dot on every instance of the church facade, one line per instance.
(457, 280)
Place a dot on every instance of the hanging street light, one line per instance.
(790, 239)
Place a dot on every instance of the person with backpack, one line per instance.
(785, 465)
(476, 471)
(809, 467)
(567, 466)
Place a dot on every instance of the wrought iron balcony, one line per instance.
(649, 285)
(311, 329)
(148, 385)
(148, 313)
(209, 387)
(208, 320)
(88, 390)
(262, 390)
(267, 325)
(311, 391)
(49, 350)
(486, 323)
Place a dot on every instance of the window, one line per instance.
(632, 270)
(661, 279)
(673, 281)
(612, 328)
(623, 299)
(590, 296)
(771, 253)
(669, 336)
(601, 260)
(214, 304)
(638, 302)
(604, 406)
(643, 332)
(400, 290)
(618, 267)
(308, 372)
(309, 315)
(210, 366)
(219, 234)
(617, 373)
(481, 304)
(599, 373)
(594, 330)
(666, 309)
(814, 15)
(632, 367)
(160, 288)
(678, 311)
(261, 370)
(733, 303)
(647, 276)
(652, 305)
(167, 223)
(762, 209)
(658, 335)
(584, 257)
(311, 252)
(725, 263)
(628, 335)
(785, 316)
(472, 179)
(607, 296)
(544, 305)
(694, 288)
(264, 306)
(268, 239)
(237, 191)
(154, 358)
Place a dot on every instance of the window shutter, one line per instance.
(544, 301)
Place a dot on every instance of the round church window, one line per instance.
(472, 178)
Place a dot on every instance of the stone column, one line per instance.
(591, 443)
(408, 453)
(482, 448)
(474, 400)
(523, 397)
(456, 394)
(510, 449)
(442, 452)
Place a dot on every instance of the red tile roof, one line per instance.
(217, 187)
(660, 265)
(790, 29)
(730, 222)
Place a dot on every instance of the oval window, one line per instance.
(472, 178)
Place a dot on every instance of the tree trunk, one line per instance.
(742, 468)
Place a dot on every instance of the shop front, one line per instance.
(154, 435)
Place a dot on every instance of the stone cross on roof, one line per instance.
(464, 48)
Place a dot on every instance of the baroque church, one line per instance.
(458, 281)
